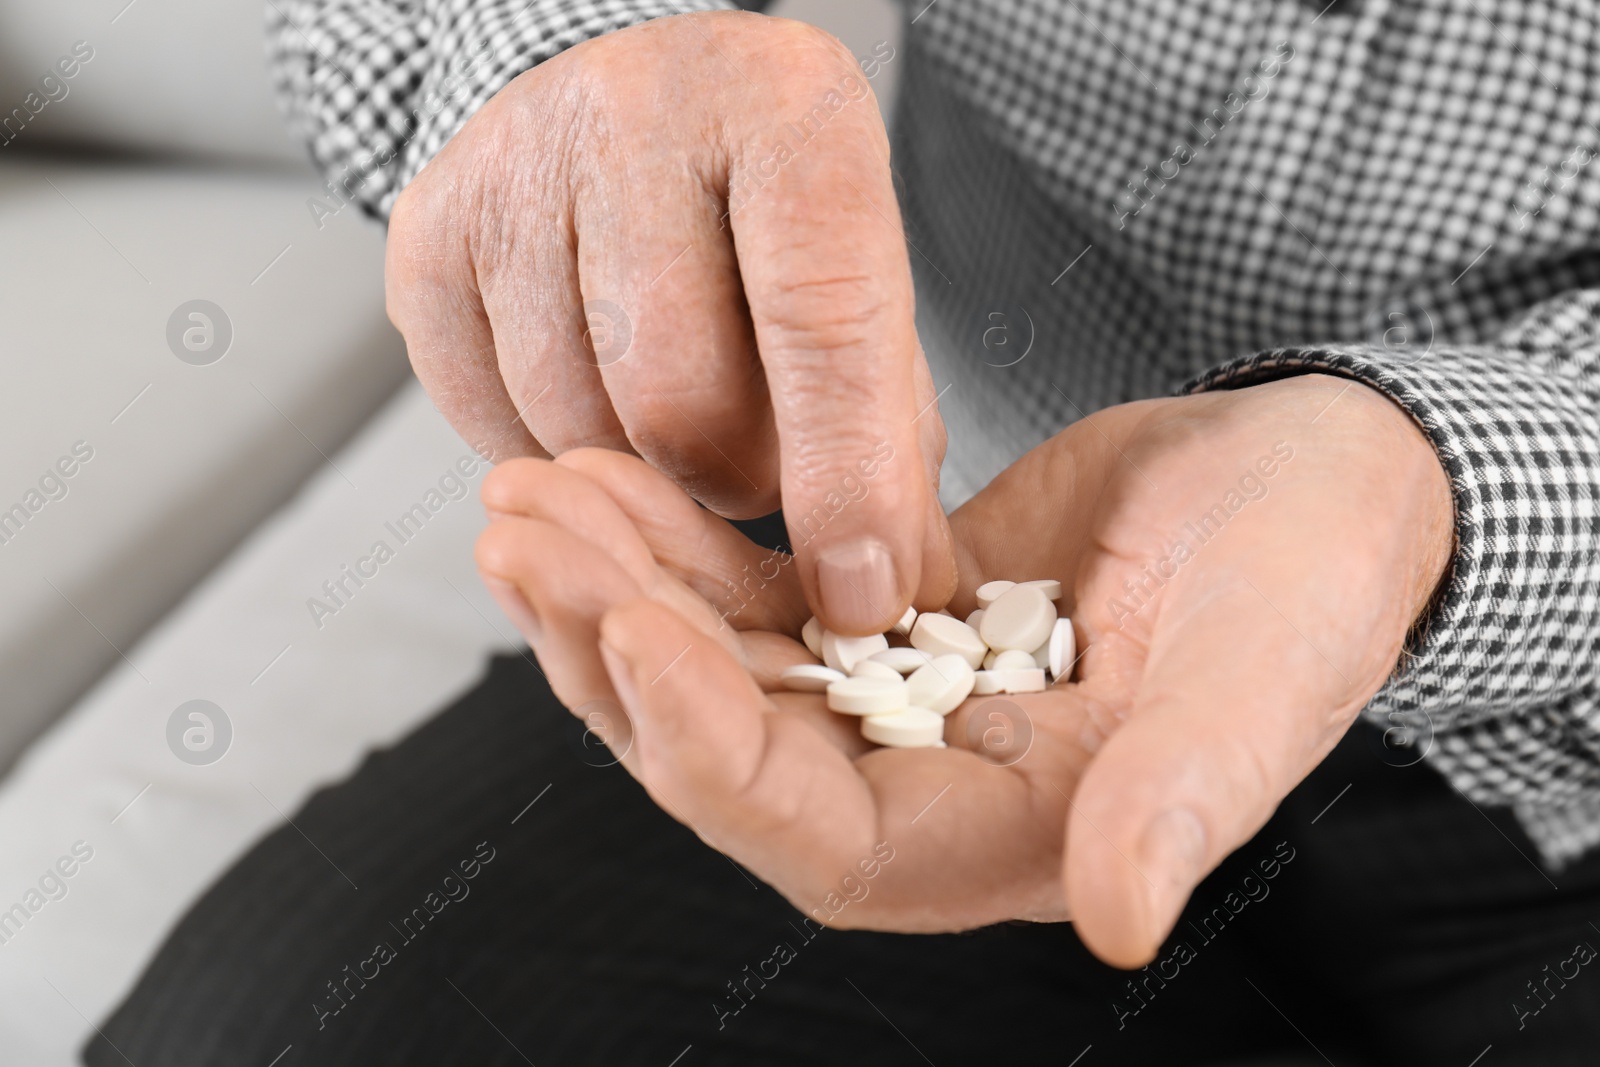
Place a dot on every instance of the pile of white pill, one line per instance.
(903, 693)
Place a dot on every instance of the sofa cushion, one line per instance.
(131, 463)
(186, 77)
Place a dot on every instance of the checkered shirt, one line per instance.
(1155, 195)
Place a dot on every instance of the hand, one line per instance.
(681, 239)
(1243, 567)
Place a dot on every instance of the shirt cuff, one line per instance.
(1498, 684)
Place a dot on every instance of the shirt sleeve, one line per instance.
(376, 87)
(1499, 687)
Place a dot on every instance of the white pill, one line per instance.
(909, 619)
(1030, 680)
(985, 683)
(943, 635)
(903, 660)
(942, 685)
(906, 728)
(1062, 649)
(975, 620)
(871, 669)
(1021, 618)
(809, 677)
(867, 696)
(989, 592)
(843, 653)
(1048, 586)
(1013, 660)
(811, 634)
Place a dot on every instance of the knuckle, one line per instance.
(600, 77)
(826, 315)
(678, 452)
(810, 44)
(656, 426)
(935, 439)
(415, 218)
(818, 463)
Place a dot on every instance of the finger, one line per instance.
(549, 343)
(752, 587)
(541, 489)
(433, 300)
(940, 566)
(1236, 706)
(768, 655)
(565, 497)
(562, 584)
(828, 282)
(762, 787)
(560, 587)
(685, 381)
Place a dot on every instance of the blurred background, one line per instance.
(206, 424)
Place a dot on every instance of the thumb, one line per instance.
(828, 281)
(1235, 707)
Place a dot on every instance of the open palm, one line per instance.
(1242, 569)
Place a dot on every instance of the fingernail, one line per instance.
(516, 608)
(1171, 854)
(621, 679)
(859, 588)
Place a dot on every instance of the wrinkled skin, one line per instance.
(1200, 700)
(614, 251)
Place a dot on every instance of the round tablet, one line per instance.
(868, 668)
(903, 660)
(1020, 618)
(1062, 649)
(989, 592)
(809, 677)
(906, 728)
(903, 627)
(843, 653)
(975, 620)
(867, 696)
(943, 635)
(1013, 660)
(1048, 586)
(1030, 680)
(811, 634)
(942, 685)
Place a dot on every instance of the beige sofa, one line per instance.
(155, 173)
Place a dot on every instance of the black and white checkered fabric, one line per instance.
(1148, 195)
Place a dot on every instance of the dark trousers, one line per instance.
(424, 913)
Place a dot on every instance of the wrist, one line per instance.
(1405, 456)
